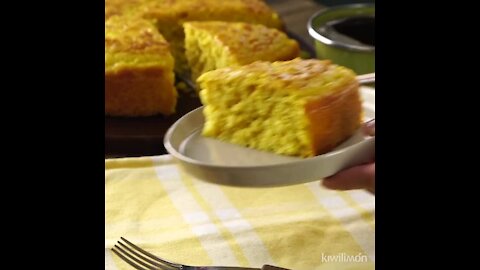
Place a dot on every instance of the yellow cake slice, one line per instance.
(297, 107)
(214, 44)
(139, 78)
(121, 7)
(169, 17)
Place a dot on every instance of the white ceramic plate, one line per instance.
(223, 163)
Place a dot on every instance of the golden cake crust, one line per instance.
(334, 118)
(216, 44)
(298, 107)
(138, 69)
(180, 11)
(133, 42)
(169, 16)
(248, 43)
(121, 7)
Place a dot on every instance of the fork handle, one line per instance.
(271, 267)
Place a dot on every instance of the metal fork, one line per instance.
(144, 260)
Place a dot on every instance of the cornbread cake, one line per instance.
(139, 78)
(121, 7)
(215, 44)
(297, 107)
(116, 7)
(169, 17)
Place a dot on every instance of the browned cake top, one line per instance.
(249, 42)
(296, 75)
(119, 7)
(190, 10)
(133, 42)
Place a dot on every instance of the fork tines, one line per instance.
(141, 259)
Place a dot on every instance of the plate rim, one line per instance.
(177, 154)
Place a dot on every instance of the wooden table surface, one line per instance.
(294, 13)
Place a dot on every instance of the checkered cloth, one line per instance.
(154, 204)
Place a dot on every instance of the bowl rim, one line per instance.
(318, 37)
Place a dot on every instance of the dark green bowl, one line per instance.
(359, 58)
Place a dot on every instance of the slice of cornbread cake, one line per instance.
(139, 78)
(215, 44)
(297, 107)
(169, 17)
(120, 7)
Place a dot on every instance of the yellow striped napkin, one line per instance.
(153, 203)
